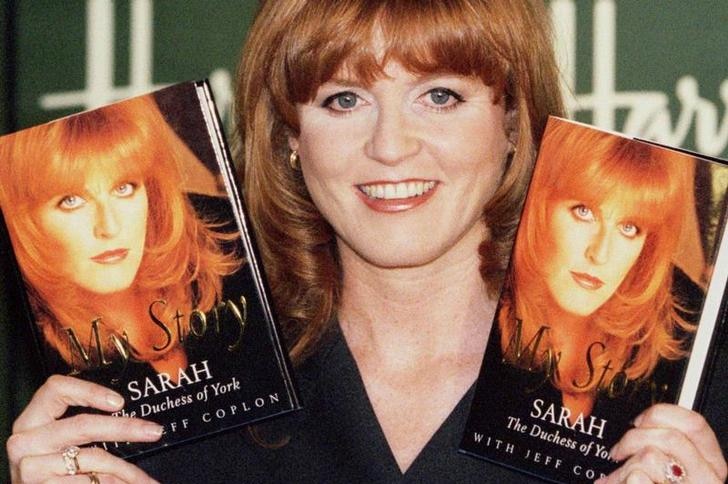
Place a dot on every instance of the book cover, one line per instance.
(611, 301)
(130, 240)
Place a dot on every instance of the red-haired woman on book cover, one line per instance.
(594, 261)
(102, 228)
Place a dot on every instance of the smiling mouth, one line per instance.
(587, 281)
(397, 191)
(111, 256)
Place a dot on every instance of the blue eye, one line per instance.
(582, 212)
(629, 230)
(442, 98)
(71, 202)
(342, 101)
(125, 190)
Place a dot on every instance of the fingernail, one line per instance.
(115, 400)
(153, 430)
(612, 452)
(601, 480)
(637, 420)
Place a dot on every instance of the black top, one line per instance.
(335, 438)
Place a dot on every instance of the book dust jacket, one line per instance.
(140, 273)
(611, 302)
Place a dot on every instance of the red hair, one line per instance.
(183, 262)
(640, 321)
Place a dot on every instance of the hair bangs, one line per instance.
(127, 155)
(424, 37)
(593, 167)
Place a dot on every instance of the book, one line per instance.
(138, 269)
(612, 301)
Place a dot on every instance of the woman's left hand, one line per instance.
(665, 442)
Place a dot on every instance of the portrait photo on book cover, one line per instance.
(607, 267)
(601, 302)
(123, 236)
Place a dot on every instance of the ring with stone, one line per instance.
(70, 459)
(674, 471)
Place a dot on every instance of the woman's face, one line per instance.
(99, 232)
(594, 249)
(403, 168)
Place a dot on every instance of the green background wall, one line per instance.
(653, 68)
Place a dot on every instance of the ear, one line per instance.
(293, 143)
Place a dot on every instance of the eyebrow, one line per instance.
(344, 82)
(354, 82)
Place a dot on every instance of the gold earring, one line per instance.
(293, 159)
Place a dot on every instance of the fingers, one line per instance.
(655, 447)
(34, 447)
(668, 441)
(58, 393)
(648, 465)
(690, 424)
(108, 468)
(79, 430)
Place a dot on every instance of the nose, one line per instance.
(394, 136)
(107, 221)
(599, 247)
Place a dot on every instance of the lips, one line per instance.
(111, 256)
(396, 196)
(587, 281)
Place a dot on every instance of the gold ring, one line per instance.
(70, 459)
(93, 478)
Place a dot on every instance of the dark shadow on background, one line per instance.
(20, 372)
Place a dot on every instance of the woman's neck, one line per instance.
(569, 331)
(417, 336)
(437, 309)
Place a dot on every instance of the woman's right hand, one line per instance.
(40, 435)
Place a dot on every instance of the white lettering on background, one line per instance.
(99, 69)
(648, 113)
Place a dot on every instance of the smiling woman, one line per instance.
(402, 131)
(104, 229)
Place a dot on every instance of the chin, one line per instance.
(108, 287)
(393, 256)
(582, 310)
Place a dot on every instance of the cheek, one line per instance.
(471, 150)
(58, 238)
(323, 159)
(566, 240)
(65, 252)
(629, 252)
(135, 213)
(139, 219)
(327, 172)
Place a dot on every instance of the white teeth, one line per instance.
(392, 191)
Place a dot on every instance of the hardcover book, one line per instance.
(139, 270)
(611, 303)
